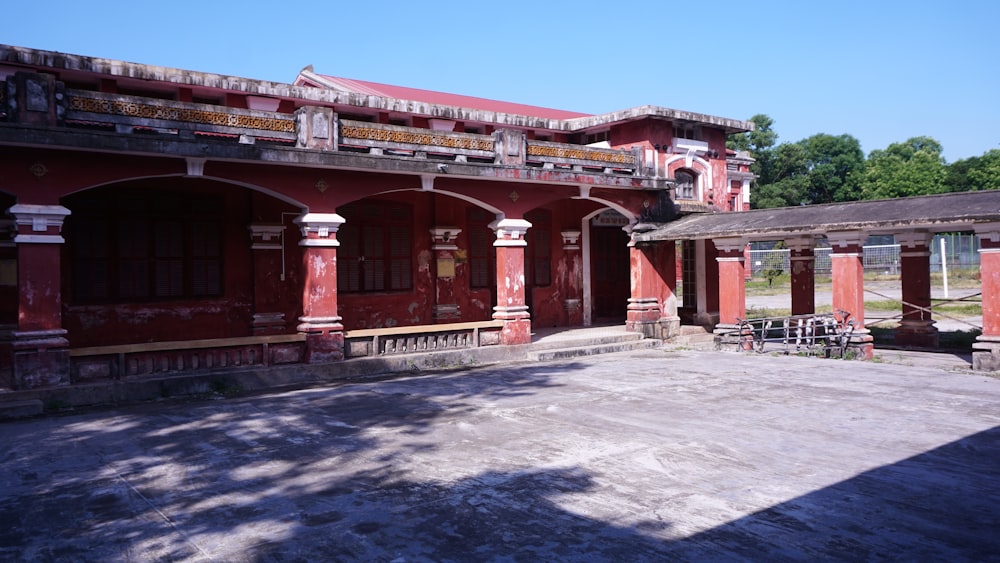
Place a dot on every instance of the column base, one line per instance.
(517, 324)
(663, 328)
(641, 310)
(324, 339)
(862, 344)
(919, 334)
(986, 353)
(40, 359)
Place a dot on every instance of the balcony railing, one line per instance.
(129, 114)
(320, 128)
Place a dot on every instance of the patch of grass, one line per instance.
(961, 278)
(764, 312)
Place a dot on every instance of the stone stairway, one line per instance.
(561, 345)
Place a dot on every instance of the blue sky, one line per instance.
(881, 70)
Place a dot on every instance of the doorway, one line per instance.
(610, 277)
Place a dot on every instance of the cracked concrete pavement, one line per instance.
(643, 456)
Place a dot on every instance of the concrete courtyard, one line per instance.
(642, 456)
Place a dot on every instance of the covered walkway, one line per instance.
(846, 227)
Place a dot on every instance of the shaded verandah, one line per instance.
(846, 226)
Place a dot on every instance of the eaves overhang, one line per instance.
(935, 213)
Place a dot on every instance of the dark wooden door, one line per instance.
(609, 271)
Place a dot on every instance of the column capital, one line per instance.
(846, 242)
(319, 229)
(40, 224)
(914, 239)
(801, 244)
(266, 236)
(510, 232)
(443, 238)
(571, 239)
(731, 245)
(988, 234)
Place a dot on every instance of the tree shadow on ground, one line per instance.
(337, 475)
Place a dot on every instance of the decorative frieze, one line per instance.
(389, 134)
(161, 111)
(566, 152)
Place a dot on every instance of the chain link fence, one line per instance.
(961, 251)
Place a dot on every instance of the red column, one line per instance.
(574, 277)
(652, 307)
(986, 354)
(848, 272)
(445, 305)
(511, 307)
(803, 276)
(41, 351)
(732, 289)
(266, 244)
(319, 320)
(916, 327)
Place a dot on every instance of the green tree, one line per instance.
(836, 166)
(975, 173)
(820, 169)
(762, 138)
(905, 169)
(760, 144)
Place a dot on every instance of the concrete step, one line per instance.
(694, 337)
(10, 410)
(580, 341)
(622, 345)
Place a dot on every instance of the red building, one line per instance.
(166, 220)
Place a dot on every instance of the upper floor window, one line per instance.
(375, 252)
(687, 132)
(685, 183)
(598, 137)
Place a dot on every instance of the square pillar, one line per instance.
(916, 328)
(732, 288)
(803, 276)
(511, 307)
(40, 347)
(986, 349)
(267, 244)
(319, 320)
(652, 307)
(848, 272)
(446, 308)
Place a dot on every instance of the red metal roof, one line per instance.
(444, 98)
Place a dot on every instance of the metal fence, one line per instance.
(961, 250)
